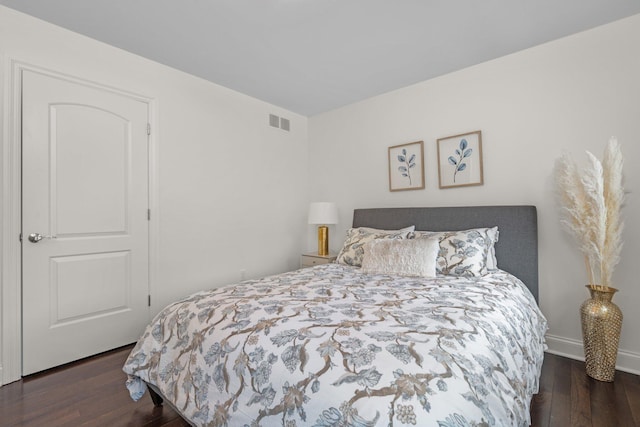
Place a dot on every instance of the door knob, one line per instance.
(36, 237)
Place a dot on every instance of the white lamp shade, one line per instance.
(323, 213)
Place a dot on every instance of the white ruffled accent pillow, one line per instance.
(353, 247)
(416, 257)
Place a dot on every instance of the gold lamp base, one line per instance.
(323, 240)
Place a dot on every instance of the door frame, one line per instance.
(11, 213)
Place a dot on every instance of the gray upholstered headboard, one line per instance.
(516, 249)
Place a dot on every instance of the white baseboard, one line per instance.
(627, 361)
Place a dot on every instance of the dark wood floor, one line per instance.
(92, 393)
(568, 397)
(86, 393)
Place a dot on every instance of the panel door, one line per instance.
(84, 220)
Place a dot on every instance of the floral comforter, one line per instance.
(330, 346)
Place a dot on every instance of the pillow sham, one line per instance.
(415, 257)
(353, 247)
(492, 260)
(466, 252)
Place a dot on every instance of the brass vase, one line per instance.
(601, 324)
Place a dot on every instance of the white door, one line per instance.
(84, 220)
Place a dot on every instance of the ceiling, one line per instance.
(311, 56)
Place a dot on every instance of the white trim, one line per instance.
(154, 205)
(627, 361)
(11, 250)
(3, 137)
(10, 259)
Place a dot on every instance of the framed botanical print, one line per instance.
(460, 160)
(406, 166)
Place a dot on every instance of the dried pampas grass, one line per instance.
(591, 202)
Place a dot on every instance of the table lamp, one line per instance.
(323, 213)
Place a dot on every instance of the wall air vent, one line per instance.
(279, 122)
(274, 121)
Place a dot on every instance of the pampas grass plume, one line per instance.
(590, 203)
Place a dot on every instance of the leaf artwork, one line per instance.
(408, 162)
(463, 152)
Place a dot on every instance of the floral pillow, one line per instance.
(415, 257)
(464, 253)
(353, 248)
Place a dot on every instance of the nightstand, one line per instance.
(311, 259)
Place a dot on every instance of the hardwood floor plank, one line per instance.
(603, 406)
(622, 407)
(632, 390)
(561, 403)
(541, 402)
(91, 393)
(580, 397)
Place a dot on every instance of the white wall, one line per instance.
(571, 94)
(230, 191)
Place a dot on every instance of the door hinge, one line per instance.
(148, 214)
(148, 128)
(149, 300)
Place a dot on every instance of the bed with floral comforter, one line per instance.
(331, 346)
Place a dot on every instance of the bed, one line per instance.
(354, 344)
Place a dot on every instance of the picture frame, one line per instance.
(460, 160)
(406, 166)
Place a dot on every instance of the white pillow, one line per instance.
(353, 247)
(377, 230)
(415, 257)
